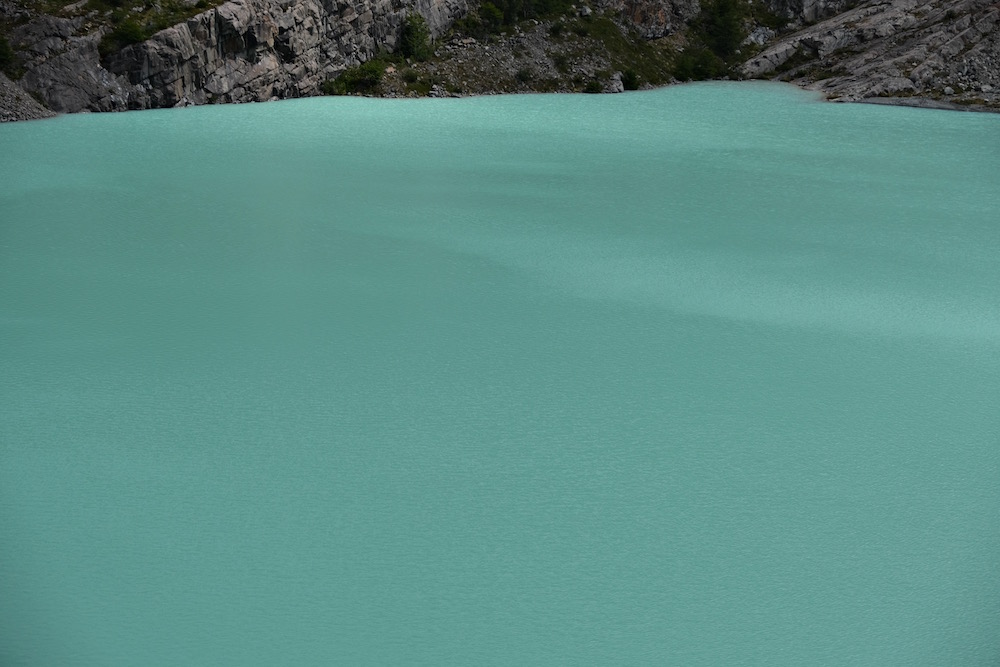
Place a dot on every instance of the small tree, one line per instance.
(722, 26)
(362, 79)
(7, 58)
(630, 79)
(491, 17)
(415, 38)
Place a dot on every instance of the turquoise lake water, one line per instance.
(706, 375)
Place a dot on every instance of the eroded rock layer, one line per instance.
(946, 52)
(240, 51)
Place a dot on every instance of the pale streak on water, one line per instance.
(706, 375)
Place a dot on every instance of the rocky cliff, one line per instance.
(654, 18)
(75, 59)
(15, 104)
(240, 51)
(918, 52)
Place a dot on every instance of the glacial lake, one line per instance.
(706, 375)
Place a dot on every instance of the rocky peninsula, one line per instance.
(111, 55)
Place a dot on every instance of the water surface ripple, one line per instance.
(705, 375)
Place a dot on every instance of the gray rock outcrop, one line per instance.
(807, 10)
(240, 51)
(654, 18)
(946, 52)
(64, 67)
(15, 104)
(940, 52)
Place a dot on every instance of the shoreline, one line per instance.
(18, 106)
(924, 103)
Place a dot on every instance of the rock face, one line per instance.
(15, 104)
(945, 52)
(64, 67)
(527, 60)
(654, 18)
(806, 10)
(241, 51)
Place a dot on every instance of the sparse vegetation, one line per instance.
(8, 60)
(630, 79)
(485, 21)
(648, 62)
(415, 38)
(38, 98)
(714, 40)
(134, 21)
(720, 26)
(567, 53)
(697, 62)
(128, 31)
(969, 101)
(359, 80)
(514, 11)
(761, 15)
(796, 62)
(493, 17)
(820, 72)
(518, 45)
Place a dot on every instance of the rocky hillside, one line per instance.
(919, 52)
(89, 55)
(106, 55)
(576, 53)
(15, 104)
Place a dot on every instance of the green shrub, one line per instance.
(762, 15)
(721, 23)
(490, 16)
(593, 86)
(714, 37)
(415, 38)
(421, 87)
(800, 57)
(485, 21)
(8, 60)
(495, 14)
(650, 62)
(356, 80)
(524, 75)
(698, 63)
(129, 31)
(714, 40)
(630, 79)
(469, 25)
(135, 21)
